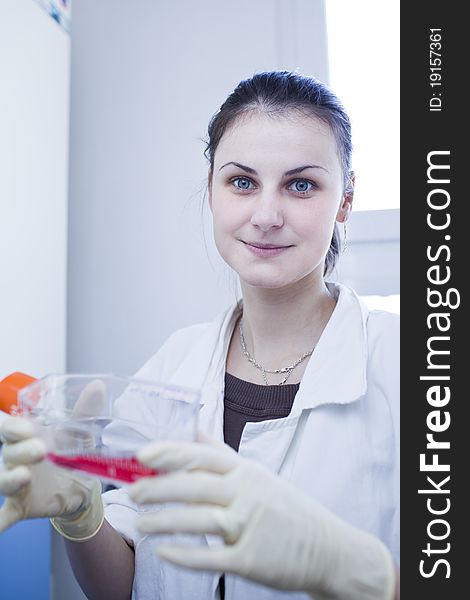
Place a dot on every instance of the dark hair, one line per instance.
(278, 92)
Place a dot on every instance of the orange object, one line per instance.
(9, 388)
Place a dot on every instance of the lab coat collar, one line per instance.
(335, 374)
(336, 371)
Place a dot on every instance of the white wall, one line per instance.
(34, 112)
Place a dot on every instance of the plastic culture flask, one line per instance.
(97, 423)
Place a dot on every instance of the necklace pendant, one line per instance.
(288, 370)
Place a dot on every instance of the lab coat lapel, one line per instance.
(336, 372)
(268, 442)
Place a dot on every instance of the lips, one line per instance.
(265, 250)
(265, 246)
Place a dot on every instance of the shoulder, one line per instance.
(383, 344)
(183, 338)
(172, 352)
(383, 332)
(379, 331)
(379, 328)
(193, 344)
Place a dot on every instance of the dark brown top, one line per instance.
(249, 402)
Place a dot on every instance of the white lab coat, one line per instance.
(339, 444)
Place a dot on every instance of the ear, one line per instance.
(346, 201)
(209, 187)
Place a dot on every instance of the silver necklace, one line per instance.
(263, 370)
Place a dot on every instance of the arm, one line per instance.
(104, 565)
(34, 488)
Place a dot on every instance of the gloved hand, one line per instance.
(34, 487)
(273, 533)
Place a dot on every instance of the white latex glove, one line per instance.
(34, 487)
(273, 533)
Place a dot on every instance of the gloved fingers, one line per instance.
(10, 513)
(200, 520)
(13, 480)
(172, 456)
(204, 488)
(195, 520)
(14, 429)
(206, 559)
(26, 452)
(91, 400)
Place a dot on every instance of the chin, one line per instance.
(268, 276)
(279, 280)
(265, 281)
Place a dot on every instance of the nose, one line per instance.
(267, 212)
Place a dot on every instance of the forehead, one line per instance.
(288, 140)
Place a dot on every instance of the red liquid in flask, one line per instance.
(126, 469)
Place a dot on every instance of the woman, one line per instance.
(299, 377)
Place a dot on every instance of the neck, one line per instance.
(279, 325)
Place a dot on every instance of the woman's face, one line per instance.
(275, 193)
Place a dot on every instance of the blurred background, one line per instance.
(105, 238)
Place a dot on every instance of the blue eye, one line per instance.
(242, 183)
(301, 186)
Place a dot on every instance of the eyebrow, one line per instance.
(287, 173)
